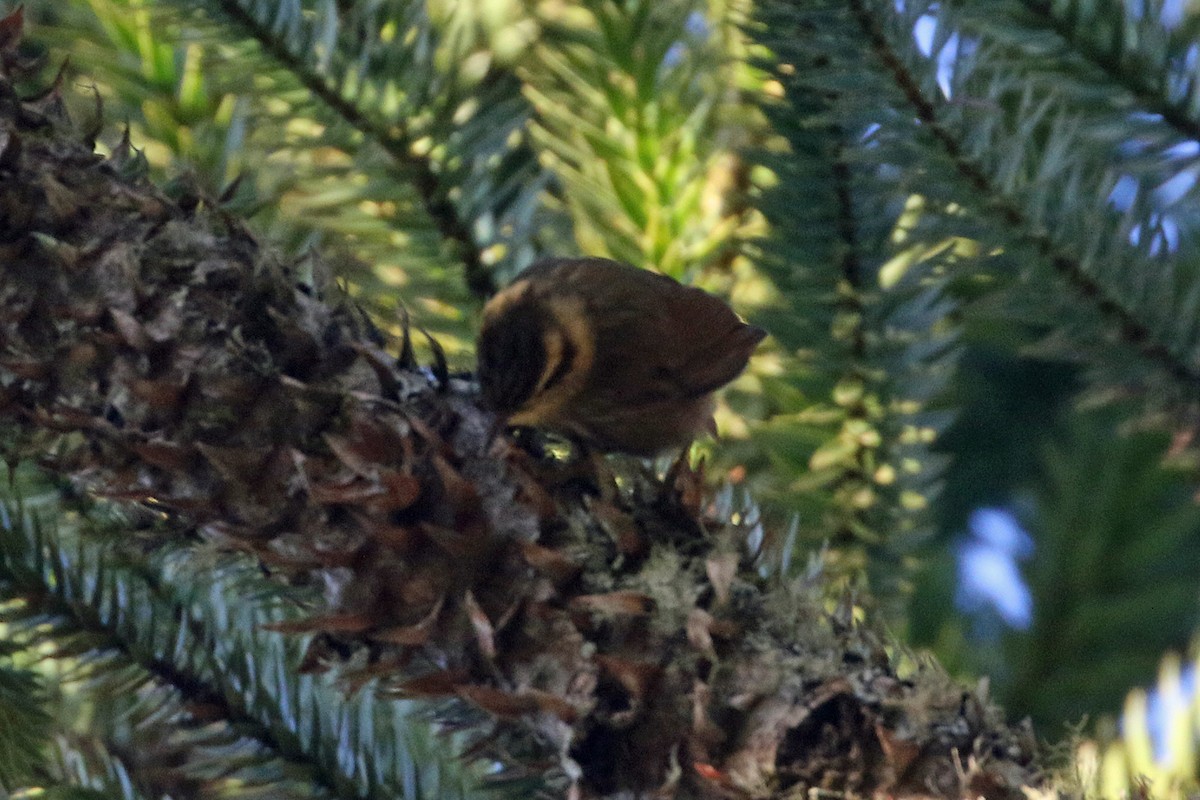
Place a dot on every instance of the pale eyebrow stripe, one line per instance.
(556, 365)
(565, 360)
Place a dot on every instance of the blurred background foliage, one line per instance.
(970, 229)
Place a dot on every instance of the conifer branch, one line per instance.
(863, 277)
(58, 576)
(1130, 327)
(1137, 78)
(393, 136)
(850, 302)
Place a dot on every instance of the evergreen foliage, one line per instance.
(24, 722)
(633, 115)
(911, 196)
(1102, 531)
(860, 262)
(166, 679)
(1106, 520)
(1072, 209)
(1154, 751)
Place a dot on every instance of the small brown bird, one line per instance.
(613, 356)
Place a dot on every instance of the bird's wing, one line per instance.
(690, 344)
(656, 340)
(708, 345)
